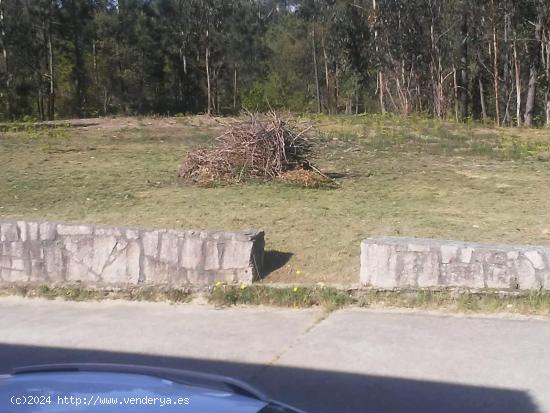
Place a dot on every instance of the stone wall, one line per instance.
(390, 262)
(100, 255)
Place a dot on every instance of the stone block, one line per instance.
(236, 254)
(150, 240)
(53, 262)
(498, 276)
(545, 276)
(379, 269)
(448, 253)
(32, 230)
(47, 231)
(108, 232)
(14, 276)
(526, 275)
(191, 254)
(512, 255)
(169, 252)
(156, 272)
(133, 257)
(14, 249)
(462, 275)
(8, 232)
(418, 248)
(132, 234)
(67, 229)
(428, 276)
(211, 256)
(101, 252)
(22, 228)
(465, 255)
(76, 271)
(5, 262)
(407, 272)
(116, 270)
(18, 264)
(536, 259)
(37, 270)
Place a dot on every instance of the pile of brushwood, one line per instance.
(262, 147)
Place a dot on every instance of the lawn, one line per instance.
(397, 176)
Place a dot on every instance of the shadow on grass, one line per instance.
(273, 260)
(316, 391)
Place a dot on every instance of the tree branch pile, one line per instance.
(261, 147)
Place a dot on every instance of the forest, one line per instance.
(486, 60)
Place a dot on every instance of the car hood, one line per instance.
(114, 392)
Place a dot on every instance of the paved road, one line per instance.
(355, 361)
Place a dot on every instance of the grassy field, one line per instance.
(399, 176)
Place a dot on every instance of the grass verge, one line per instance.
(79, 293)
(328, 298)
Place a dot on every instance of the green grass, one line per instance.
(330, 298)
(400, 176)
(326, 297)
(79, 293)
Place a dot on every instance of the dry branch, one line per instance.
(263, 147)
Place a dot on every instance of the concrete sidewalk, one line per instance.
(350, 361)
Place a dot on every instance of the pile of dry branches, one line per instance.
(263, 146)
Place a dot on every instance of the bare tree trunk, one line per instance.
(464, 82)
(518, 83)
(506, 69)
(455, 88)
(495, 64)
(51, 92)
(533, 72)
(379, 76)
(235, 89)
(5, 65)
(546, 54)
(315, 70)
(208, 83)
(327, 78)
(482, 100)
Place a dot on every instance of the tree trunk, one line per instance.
(455, 88)
(464, 82)
(79, 70)
(5, 65)
(546, 54)
(533, 72)
(495, 64)
(235, 89)
(208, 83)
(327, 78)
(379, 76)
(315, 70)
(518, 83)
(51, 92)
(482, 100)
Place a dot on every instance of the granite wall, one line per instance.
(99, 255)
(390, 262)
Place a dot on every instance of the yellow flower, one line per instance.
(298, 272)
(219, 284)
(243, 286)
(295, 289)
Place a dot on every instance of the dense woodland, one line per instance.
(486, 59)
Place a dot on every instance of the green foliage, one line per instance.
(96, 58)
(279, 91)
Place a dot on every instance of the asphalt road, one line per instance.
(350, 361)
